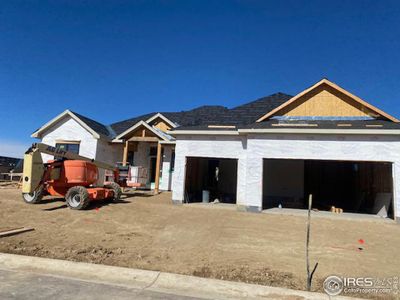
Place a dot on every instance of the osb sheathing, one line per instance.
(326, 101)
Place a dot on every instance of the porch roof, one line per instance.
(158, 134)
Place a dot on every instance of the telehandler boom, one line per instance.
(69, 175)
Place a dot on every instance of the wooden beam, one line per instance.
(158, 163)
(144, 139)
(15, 231)
(125, 157)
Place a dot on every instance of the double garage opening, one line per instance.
(211, 180)
(351, 186)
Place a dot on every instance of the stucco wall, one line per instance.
(108, 153)
(326, 147)
(141, 158)
(70, 130)
(166, 179)
(223, 147)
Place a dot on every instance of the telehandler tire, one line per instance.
(77, 198)
(116, 189)
(34, 197)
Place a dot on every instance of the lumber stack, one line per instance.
(336, 210)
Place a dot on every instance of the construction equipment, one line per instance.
(129, 176)
(69, 175)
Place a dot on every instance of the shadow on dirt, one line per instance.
(55, 208)
(137, 194)
(101, 203)
(93, 205)
(50, 200)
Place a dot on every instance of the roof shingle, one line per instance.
(203, 116)
(96, 126)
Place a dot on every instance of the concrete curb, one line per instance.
(152, 280)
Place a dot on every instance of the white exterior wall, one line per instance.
(396, 189)
(70, 130)
(141, 158)
(252, 149)
(221, 147)
(320, 147)
(107, 153)
(166, 178)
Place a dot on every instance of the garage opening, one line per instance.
(350, 186)
(210, 180)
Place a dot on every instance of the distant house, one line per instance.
(270, 152)
(8, 164)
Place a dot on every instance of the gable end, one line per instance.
(326, 99)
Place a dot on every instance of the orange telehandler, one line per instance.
(69, 175)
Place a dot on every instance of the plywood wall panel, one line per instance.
(162, 126)
(325, 101)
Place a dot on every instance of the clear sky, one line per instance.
(112, 60)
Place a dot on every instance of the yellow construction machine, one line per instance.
(69, 175)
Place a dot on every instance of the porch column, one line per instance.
(158, 163)
(125, 157)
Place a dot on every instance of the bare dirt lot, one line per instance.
(149, 232)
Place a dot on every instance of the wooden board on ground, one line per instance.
(9, 232)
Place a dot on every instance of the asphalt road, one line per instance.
(26, 285)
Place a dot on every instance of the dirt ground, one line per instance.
(149, 232)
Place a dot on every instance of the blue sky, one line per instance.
(111, 60)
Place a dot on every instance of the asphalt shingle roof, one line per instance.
(252, 111)
(242, 116)
(203, 116)
(197, 116)
(96, 126)
(121, 126)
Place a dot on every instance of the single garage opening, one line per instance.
(215, 177)
(353, 186)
